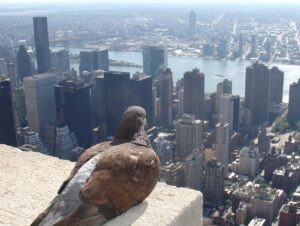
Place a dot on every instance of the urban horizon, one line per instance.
(214, 84)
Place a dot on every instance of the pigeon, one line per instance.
(108, 179)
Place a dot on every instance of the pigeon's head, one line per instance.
(134, 116)
(132, 125)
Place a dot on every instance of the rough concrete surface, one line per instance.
(29, 181)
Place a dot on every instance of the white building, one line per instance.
(194, 170)
(189, 135)
(229, 111)
(248, 161)
(222, 148)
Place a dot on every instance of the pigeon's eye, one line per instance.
(150, 162)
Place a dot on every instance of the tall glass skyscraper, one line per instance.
(155, 60)
(7, 123)
(41, 39)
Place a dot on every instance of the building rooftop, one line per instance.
(257, 222)
(30, 180)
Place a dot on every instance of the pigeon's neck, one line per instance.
(137, 136)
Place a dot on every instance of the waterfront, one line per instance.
(214, 70)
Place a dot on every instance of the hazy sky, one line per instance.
(152, 1)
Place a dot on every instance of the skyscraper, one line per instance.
(7, 122)
(86, 61)
(60, 61)
(222, 150)
(74, 109)
(166, 91)
(294, 103)
(257, 92)
(189, 135)
(23, 63)
(155, 60)
(194, 93)
(229, 108)
(116, 98)
(94, 60)
(193, 170)
(141, 94)
(41, 39)
(192, 23)
(3, 67)
(276, 89)
(213, 189)
(224, 87)
(101, 60)
(40, 104)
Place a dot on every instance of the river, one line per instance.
(213, 69)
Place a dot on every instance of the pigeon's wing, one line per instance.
(84, 157)
(120, 175)
(68, 202)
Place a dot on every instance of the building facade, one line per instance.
(155, 60)
(222, 148)
(294, 103)
(194, 96)
(73, 108)
(166, 92)
(40, 105)
(41, 40)
(213, 189)
(23, 63)
(7, 121)
(189, 136)
(257, 92)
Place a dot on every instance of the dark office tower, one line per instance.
(294, 103)
(86, 61)
(223, 48)
(155, 60)
(253, 46)
(141, 94)
(116, 98)
(100, 100)
(166, 91)
(214, 183)
(41, 39)
(100, 126)
(11, 74)
(194, 93)
(7, 122)
(73, 108)
(23, 63)
(101, 60)
(224, 87)
(192, 23)
(276, 89)
(257, 92)
(241, 45)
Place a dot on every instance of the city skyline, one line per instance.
(211, 86)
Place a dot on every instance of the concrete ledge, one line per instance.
(29, 181)
(166, 206)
